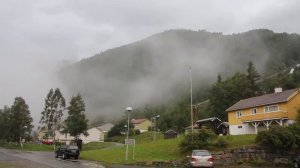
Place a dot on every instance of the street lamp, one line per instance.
(128, 109)
(25, 132)
(154, 128)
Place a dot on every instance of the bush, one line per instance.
(221, 143)
(200, 140)
(137, 132)
(277, 137)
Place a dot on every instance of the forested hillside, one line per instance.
(153, 74)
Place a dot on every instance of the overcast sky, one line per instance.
(36, 36)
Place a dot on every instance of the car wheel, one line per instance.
(296, 165)
(64, 156)
(76, 157)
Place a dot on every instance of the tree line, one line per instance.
(221, 95)
(16, 120)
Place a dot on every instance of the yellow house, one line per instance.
(248, 116)
(141, 124)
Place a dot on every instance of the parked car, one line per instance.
(47, 141)
(67, 151)
(297, 162)
(200, 158)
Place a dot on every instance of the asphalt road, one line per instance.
(25, 159)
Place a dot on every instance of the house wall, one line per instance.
(241, 129)
(143, 126)
(293, 105)
(95, 135)
(260, 113)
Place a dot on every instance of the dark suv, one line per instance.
(67, 152)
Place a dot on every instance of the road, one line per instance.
(25, 159)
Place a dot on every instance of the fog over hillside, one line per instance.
(156, 70)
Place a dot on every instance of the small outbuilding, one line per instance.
(170, 134)
(215, 124)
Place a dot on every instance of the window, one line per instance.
(239, 114)
(272, 108)
(240, 126)
(253, 111)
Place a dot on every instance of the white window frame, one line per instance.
(269, 109)
(239, 114)
(253, 111)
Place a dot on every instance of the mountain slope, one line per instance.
(156, 69)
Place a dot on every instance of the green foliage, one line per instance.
(121, 127)
(76, 123)
(221, 143)
(5, 123)
(53, 111)
(277, 137)
(21, 121)
(200, 140)
(225, 93)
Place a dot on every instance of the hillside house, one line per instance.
(248, 116)
(141, 124)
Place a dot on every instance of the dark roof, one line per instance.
(208, 119)
(138, 121)
(105, 127)
(170, 131)
(263, 100)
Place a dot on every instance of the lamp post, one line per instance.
(154, 131)
(128, 109)
(25, 132)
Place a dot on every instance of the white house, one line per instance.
(95, 135)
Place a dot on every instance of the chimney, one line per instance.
(278, 90)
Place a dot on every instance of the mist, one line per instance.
(37, 38)
(155, 70)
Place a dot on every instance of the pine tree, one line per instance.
(76, 123)
(20, 119)
(253, 76)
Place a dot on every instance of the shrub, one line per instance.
(277, 137)
(137, 132)
(221, 143)
(200, 140)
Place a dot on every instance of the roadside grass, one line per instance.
(237, 141)
(97, 145)
(28, 146)
(43, 147)
(145, 137)
(6, 165)
(161, 150)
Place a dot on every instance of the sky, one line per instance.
(38, 36)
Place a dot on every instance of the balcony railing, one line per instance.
(264, 116)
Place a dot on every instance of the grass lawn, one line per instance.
(160, 150)
(43, 147)
(28, 146)
(236, 141)
(6, 165)
(97, 145)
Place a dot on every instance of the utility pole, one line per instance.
(191, 82)
(128, 109)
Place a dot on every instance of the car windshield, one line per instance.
(73, 147)
(201, 153)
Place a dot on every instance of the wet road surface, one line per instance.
(27, 159)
